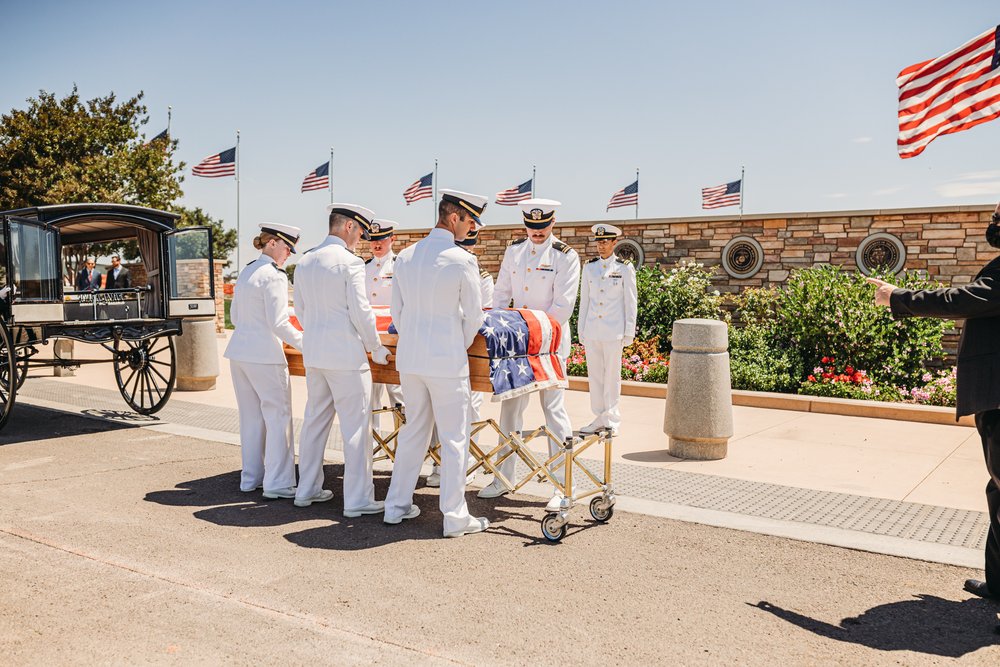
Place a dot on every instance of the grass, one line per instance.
(228, 304)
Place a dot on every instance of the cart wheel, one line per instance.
(553, 528)
(601, 509)
(22, 352)
(8, 375)
(145, 371)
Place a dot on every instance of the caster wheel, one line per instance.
(552, 527)
(601, 510)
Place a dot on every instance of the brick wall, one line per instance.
(192, 279)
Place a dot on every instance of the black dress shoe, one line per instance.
(979, 588)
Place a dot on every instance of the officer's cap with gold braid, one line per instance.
(604, 231)
(539, 213)
(363, 216)
(474, 204)
(381, 229)
(287, 233)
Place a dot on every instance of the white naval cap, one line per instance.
(363, 216)
(605, 231)
(539, 213)
(474, 204)
(287, 233)
(381, 229)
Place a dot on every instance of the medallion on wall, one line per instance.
(880, 250)
(742, 257)
(627, 249)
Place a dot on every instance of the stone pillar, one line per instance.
(63, 348)
(197, 356)
(699, 411)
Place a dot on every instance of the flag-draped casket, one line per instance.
(514, 353)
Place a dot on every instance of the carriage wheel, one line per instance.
(22, 351)
(8, 375)
(145, 371)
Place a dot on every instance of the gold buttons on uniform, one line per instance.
(525, 288)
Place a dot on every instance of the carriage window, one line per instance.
(190, 260)
(34, 262)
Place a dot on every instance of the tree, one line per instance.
(223, 240)
(67, 150)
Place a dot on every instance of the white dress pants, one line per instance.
(344, 394)
(556, 419)
(264, 400)
(395, 395)
(604, 370)
(475, 403)
(430, 402)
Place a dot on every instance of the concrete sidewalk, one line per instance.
(889, 486)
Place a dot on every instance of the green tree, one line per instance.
(223, 240)
(59, 151)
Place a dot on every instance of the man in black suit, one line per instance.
(89, 278)
(118, 275)
(978, 376)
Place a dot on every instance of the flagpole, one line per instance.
(170, 110)
(534, 188)
(637, 193)
(238, 263)
(434, 187)
(743, 189)
(329, 175)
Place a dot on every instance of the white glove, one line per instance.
(381, 355)
(628, 340)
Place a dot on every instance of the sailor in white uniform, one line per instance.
(437, 309)
(338, 327)
(608, 309)
(378, 285)
(259, 312)
(539, 272)
(476, 398)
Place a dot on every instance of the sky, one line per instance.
(800, 94)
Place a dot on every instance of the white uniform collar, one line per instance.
(438, 232)
(387, 257)
(336, 240)
(544, 245)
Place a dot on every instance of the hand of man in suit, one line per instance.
(883, 291)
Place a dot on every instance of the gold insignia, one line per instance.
(536, 214)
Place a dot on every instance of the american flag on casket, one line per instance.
(522, 346)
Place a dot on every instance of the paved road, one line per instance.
(126, 545)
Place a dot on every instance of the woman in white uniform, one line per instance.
(257, 361)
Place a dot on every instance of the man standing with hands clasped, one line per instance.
(978, 377)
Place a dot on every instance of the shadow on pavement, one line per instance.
(224, 505)
(30, 423)
(651, 456)
(926, 624)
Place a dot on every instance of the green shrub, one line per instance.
(756, 363)
(685, 291)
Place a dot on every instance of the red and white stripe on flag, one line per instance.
(955, 92)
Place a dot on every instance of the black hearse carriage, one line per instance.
(135, 324)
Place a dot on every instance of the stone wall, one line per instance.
(194, 278)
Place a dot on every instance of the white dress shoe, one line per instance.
(249, 489)
(321, 497)
(371, 508)
(592, 427)
(433, 480)
(477, 524)
(287, 492)
(494, 490)
(413, 513)
(555, 502)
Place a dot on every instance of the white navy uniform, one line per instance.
(437, 309)
(259, 312)
(339, 326)
(544, 277)
(608, 309)
(378, 286)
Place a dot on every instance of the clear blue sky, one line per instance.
(803, 94)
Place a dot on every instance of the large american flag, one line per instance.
(422, 188)
(511, 196)
(318, 178)
(718, 196)
(220, 164)
(959, 90)
(627, 196)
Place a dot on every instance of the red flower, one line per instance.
(849, 370)
(825, 360)
(812, 378)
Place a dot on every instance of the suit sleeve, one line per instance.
(396, 300)
(128, 279)
(631, 301)
(471, 301)
(581, 321)
(233, 310)
(503, 290)
(358, 307)
(980, 298)
(565, 287)
(486, 290)
(276, 312)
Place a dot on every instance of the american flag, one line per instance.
(422, 188)
(318, 178)
(718, 196)
(627, 196)
(959, 90)
(511, 196)
(165, 136)
(220, 164)
(523, 348)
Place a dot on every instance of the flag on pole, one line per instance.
(718, 196)
(165, 136)
(954, 92)
(317, 179)
(220, 164)
(511, 196)
(422, 188)
(627, 196)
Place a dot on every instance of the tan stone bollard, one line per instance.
(197, 356)
(699, 413)
(63, 348)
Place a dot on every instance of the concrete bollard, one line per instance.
(197, 356)
(63, 348)
(699, 413)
